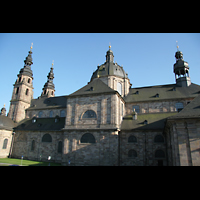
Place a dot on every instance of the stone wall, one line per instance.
(156, 106)
(145, 148)
(183, 138)
(5, 134)
(23, 143)
(106, 106)
(103, 152)
(45, 112)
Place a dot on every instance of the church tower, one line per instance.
(181, 70)
(22, 91)
(49, 88)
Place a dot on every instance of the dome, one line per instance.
(6, 123)
(109, 68)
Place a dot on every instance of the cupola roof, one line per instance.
(50, 76)
(26, 70)
(109, 68)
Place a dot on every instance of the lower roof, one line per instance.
(155, 121)
(165, 92)
(6, 123)
(48, 103)
(41, 124)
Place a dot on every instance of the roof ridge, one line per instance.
(154, 86)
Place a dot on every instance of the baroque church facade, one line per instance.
(105, 123)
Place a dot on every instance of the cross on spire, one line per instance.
(31, 45)
(177, 46)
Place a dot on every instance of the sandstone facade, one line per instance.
(106, 122)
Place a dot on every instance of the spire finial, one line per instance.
(31, 46)
(177, 46)
(109, 45)
(4, 105)
(52, 63)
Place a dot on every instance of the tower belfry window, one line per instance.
(17, 90)
(27, 90)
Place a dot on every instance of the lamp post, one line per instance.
(49, 158)
(21, 160)
(40, 158)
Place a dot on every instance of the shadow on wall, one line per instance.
(102, 152)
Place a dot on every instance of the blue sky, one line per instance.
(148, 58)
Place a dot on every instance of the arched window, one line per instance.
(29, 80)
(32, 145)
(51, 113)
(87, 138)
(132, 153)
(27, 91)
(159, 139)
(47, 138)
(52, 93)
(132, 139)
(179, 106)
(60, 147)
(159, 154)
(5, 142)
(119, 87)
(62, 113)
(40, 114)
(89, 114)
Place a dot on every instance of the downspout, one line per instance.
(11, 148)
(145, 149)
(119, 135)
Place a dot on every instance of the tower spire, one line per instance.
(28, 60)
(181, 69)
(109, 55)
(49, 88)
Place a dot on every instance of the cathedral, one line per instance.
(106, 122)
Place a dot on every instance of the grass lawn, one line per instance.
(14, 161)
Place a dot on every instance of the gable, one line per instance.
(94, 87)
(192, 110)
